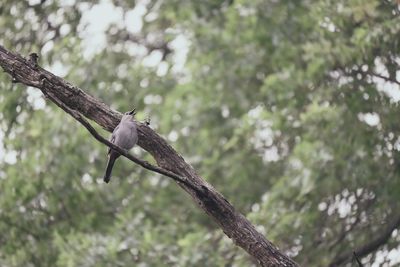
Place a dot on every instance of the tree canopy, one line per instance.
(289, 108)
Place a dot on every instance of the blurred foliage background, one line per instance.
(289, 108)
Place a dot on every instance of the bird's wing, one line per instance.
(112, 138)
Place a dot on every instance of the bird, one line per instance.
(125, 136)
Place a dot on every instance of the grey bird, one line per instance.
(125, 136)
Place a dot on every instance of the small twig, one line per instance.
(357, 259)
(372, 244)
(388, 79)
(147, 121)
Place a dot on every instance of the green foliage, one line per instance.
(289, 108)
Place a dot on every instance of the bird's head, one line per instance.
(132, 112)
(129, 115)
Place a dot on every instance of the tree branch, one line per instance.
(123, 152)
(387, 79)
(77, 102)
(369, 247)
(357, 259)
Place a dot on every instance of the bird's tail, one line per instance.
(110, 164)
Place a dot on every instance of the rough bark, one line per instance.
(233, 224)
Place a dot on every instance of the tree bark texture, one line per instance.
(232, 223)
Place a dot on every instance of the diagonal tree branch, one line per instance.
(370, 246)
(123, 152)
(387, 79)
(64, 94)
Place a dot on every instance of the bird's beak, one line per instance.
(132, 112)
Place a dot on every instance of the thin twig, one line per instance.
(372, 244)
(357, 259)
(388, 79)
